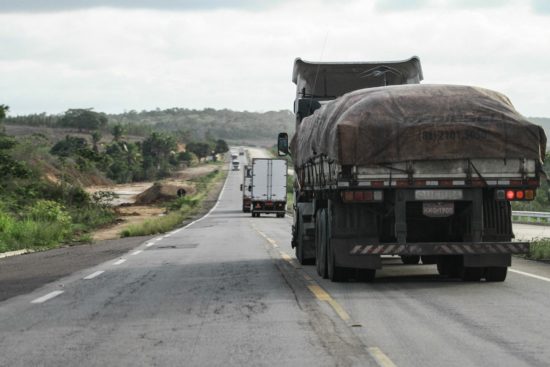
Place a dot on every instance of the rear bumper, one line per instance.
(447, 248)
(268, 207)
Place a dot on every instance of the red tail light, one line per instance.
(512, 195)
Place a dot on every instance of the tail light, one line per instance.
(515, 194)
(362, 196)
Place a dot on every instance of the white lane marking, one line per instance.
(47, 297)
(149, 244)
(14, 253)
(93, 275)
(213, 208)
(119, 262)
(529, 275)
(136, 252)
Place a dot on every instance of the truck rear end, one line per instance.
(269, 180)
(423, 172)
(246, 188)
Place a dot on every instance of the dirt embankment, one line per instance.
(137, 202)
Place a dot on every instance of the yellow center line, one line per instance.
(285, 256)
(382, 359)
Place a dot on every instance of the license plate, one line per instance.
(438, 195)
(438, 210)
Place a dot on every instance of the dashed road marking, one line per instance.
(149, 244)
(93, 275)
(47, 297)
(285, 256)
(322, 295)
(529, 275)
(136, 252)
(382, 359)
(119, 262)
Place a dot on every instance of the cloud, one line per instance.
(122, 59)
(63, 5)
(541, 6)
(410, 5)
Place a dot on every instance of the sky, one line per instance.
(121, 55)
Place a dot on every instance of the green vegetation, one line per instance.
(539, 249)
(178, 210)
(42, 203)
(179, 122)
(542, 200)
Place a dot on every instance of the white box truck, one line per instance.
(268, 194)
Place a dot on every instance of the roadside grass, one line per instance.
(539, 249)
(179, 209)
(50, 226)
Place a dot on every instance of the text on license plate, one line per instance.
(438, 210)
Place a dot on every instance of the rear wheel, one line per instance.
(335, 273)
(299, 242)
(496, 273)
(320, 244)
(450, 266)
(429, 259)
(280, 215)
(365, 275)
(470, 274)
(410, 259)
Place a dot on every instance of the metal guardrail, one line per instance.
(531, 217)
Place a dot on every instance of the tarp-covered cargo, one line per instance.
(417, 122)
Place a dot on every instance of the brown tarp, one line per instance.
(417, 122)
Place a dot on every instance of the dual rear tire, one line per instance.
(452, 267)
(325, 254)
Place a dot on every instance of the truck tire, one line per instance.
(496, 273)
(334, 272)
(471, 274)
(429, 259)
(449, 266)
(280, 215)
(320, 244)
(365, 275)
(410, 259)
(299, 243)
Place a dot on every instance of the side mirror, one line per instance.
(282, 144)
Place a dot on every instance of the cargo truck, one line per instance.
(246, 188)
(387, 166)
(268, 186)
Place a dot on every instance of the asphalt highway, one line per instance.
(226, 290)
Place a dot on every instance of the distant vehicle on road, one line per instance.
(241, 151)
(234, 156)
(268, 194)
(426, 172)
(235, 164)
(246, 188)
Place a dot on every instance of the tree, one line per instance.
(221, 147)
(84, 119)
(9, 167)
(72, 145)
(201, 150)
(96, 137)
(118, 131)
(157, 150)
(3, 111)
